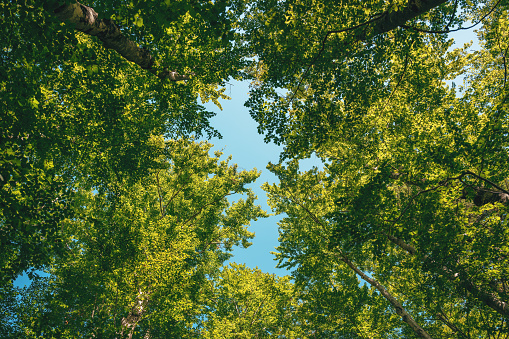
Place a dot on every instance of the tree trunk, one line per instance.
(130, 322)
(407, 318)
(85, 20)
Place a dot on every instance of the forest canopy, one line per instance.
(402, 233)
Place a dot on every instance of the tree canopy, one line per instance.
(401, 234)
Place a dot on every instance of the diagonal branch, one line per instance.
(447, 30)
(397, 84)
(400, 310)
(85, 20)
(485, 180)
(392, 20)
(452, 326)
(383, 23)
(161, 209)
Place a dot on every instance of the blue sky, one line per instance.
(242, 141)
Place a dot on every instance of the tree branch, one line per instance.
(400, 310)
(136, 313)
(383, 23)
(447, 30)
(392, 20)
(485, 180)
(85, 20)
(407, 318)
(161, 209)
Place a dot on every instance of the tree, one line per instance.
(403, 233)
(138, 264)
(412, 197)
(73, 107)
(320, 74)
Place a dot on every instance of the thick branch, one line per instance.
(409, 248)
(485, 196)
(489, 299)
(399, 308)
(85, 20)
(384, 23)
(394, 19)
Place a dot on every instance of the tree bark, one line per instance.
(485, 196)
(394, 19)
(137, 312)
(399, 308)
(453, 327)
(489, 299)
(387, 21)
(85, 20)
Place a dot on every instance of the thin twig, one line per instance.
(503, 59)
(397, 85)
(453, 14)
(485, 180)
(208, 204)
(416, 195)
(160, 197)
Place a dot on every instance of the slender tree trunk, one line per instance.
(130, 322)
(85, 20)
(407, 318)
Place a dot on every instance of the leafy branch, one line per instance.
(382, 23)
(85, 20)
(447, 30)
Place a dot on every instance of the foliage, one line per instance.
(138, 263)
(320, 74)
(401, 234)
(413, 193)
(246, 303)
(73, 110)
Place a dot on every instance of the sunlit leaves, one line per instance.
(153, 243)
(408, 161)
(89, 111)
(243, 302)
